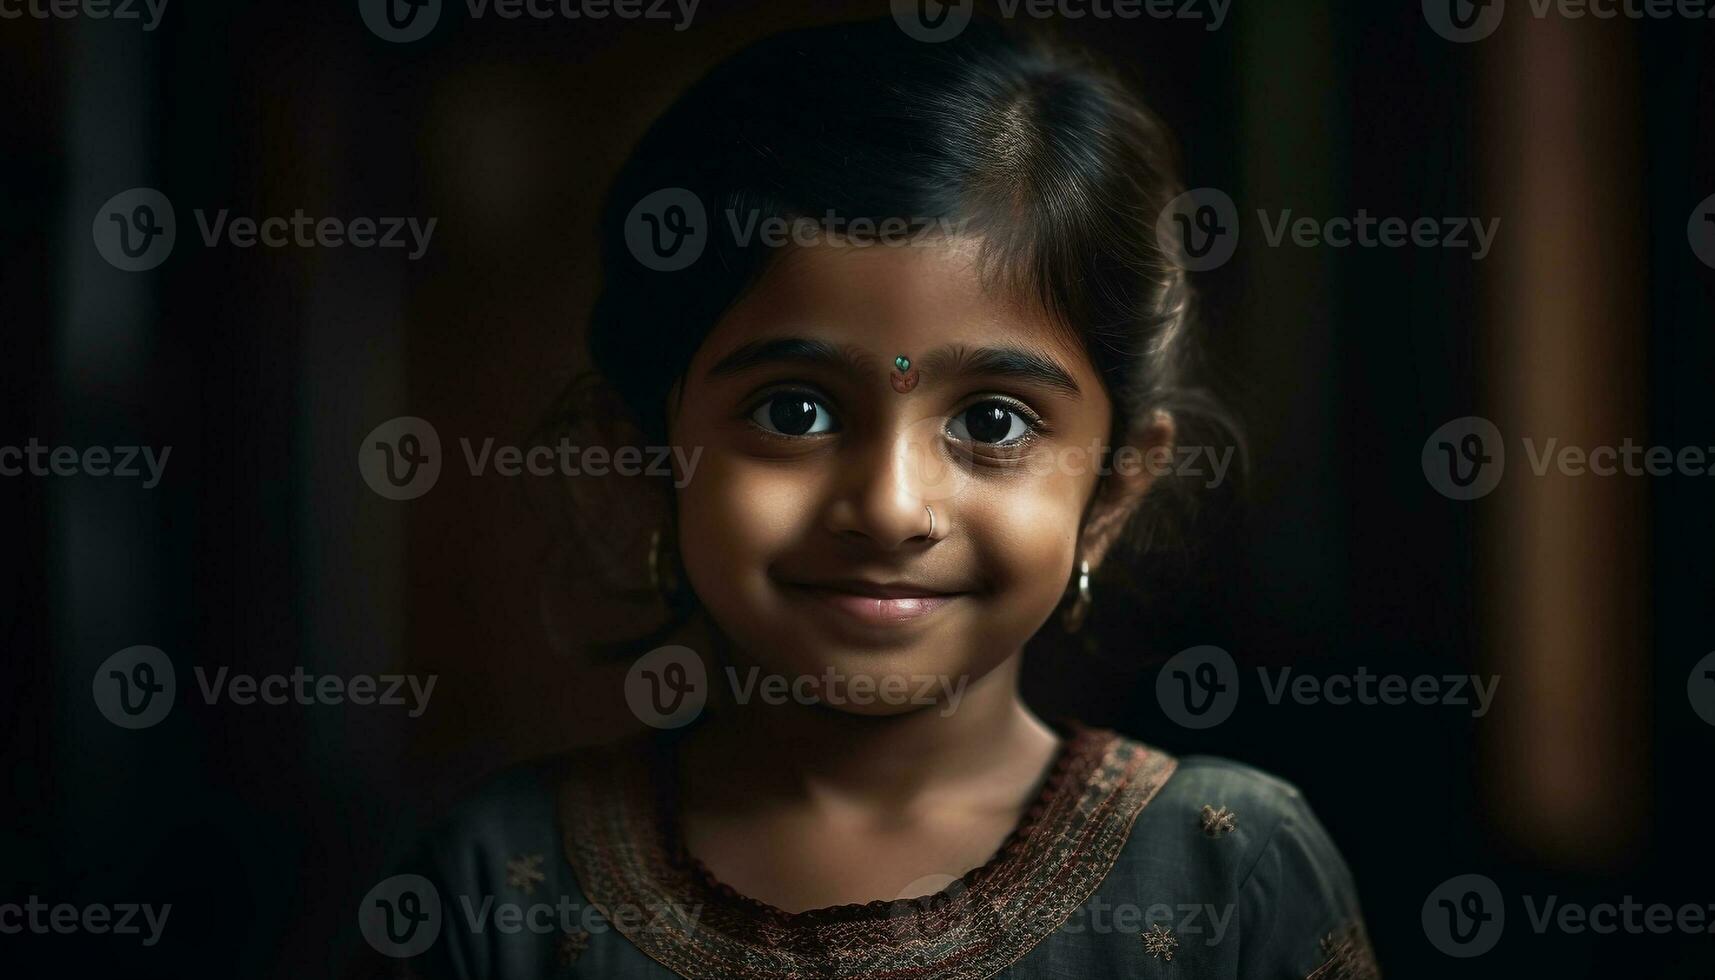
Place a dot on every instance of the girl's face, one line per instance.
(804, 527)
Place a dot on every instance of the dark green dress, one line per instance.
(1130, 863)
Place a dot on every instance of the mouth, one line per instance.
(875, 603)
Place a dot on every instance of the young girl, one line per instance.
(903, 307)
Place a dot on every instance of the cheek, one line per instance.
(1027, 537)
(734, 516)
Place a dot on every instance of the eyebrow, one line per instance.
(789, 350)
(1016, 363)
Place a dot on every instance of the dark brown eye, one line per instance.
(990, 422)
(792, 414)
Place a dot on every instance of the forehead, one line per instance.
(899, 299)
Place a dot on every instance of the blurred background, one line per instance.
(1589, 321)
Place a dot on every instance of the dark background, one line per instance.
(263, 368)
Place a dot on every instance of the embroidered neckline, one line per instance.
(621, 838)
(1078, 742)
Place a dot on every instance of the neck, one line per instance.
(815, 753)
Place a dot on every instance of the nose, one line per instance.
(884, 490)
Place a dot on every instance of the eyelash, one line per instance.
(1035, 427)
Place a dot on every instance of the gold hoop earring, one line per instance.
(663, 574)
(1072, 618)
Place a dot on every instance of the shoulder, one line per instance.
(1218, 798)
(1214, 819)
(1223, 835)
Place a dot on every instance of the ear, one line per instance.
(1144, 452)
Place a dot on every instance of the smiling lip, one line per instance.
(877, 603)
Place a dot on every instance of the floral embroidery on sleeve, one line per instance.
(1348, 956)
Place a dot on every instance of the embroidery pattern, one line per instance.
(1051, 864)
(1348, 956)
(524, 871)
(1160, 942)
(571, 945)
(1218, 822)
